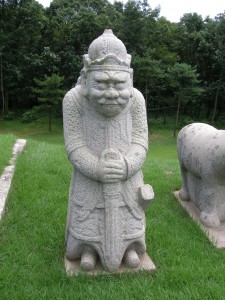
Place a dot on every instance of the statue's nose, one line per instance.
(111, 94)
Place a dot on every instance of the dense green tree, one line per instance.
(137, 25)
(211, 64)
(50, 94)
(149, 77)
(73, 25)
(21, 25)
(200, 43)
(219, 64)
(185, 85)
(188, 35)
(37, 42)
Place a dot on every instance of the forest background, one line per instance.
(179, 67)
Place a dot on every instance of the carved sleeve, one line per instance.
(78, 153)
(139, 147)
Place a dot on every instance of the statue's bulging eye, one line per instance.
(97, 85)
(121, 85)
(101, 85)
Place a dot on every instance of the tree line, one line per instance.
(179, 65)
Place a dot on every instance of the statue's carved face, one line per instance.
(109, 91)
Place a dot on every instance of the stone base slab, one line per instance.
(215, 235)
(73, 267)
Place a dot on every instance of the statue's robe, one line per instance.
(110, 228)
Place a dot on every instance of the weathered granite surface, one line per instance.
(106, 139)
(201, 151)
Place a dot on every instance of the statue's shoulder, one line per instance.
(73, 98)
(138, 98)
(73, 95)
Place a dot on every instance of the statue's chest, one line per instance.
(103, 133)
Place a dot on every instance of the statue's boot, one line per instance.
(88, 259)
(131, 258)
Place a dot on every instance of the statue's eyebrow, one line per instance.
(102, 77)
(120, 77)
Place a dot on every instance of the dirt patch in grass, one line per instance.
(168, 172)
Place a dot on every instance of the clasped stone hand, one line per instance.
(111, 167)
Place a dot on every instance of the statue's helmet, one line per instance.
(107, 52)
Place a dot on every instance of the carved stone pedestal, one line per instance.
(73, 267)
(215, 235)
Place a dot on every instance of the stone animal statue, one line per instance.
(201, 151)
(106, 138)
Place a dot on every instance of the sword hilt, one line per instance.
(111, 154)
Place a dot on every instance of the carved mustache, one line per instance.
(112, 97)
(112, 101)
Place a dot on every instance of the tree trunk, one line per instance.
(2, 90)
(177, 116)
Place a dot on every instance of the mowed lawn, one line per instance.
(32, 233)
(6, 144)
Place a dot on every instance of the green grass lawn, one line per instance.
(37, 130)
(32, 233)
(6, 143)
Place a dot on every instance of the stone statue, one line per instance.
(106, 138)
(201, 151)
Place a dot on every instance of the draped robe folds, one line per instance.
(110, 226)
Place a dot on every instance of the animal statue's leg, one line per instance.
(208, 216)
(88, 259)
(183, 194)
(209, 219)
(131, 258)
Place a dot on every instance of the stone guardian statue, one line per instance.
(106, 139)
(201, 151)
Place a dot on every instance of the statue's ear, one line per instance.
(83, 82)
(131, 82)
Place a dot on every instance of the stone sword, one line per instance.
(112, 197)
